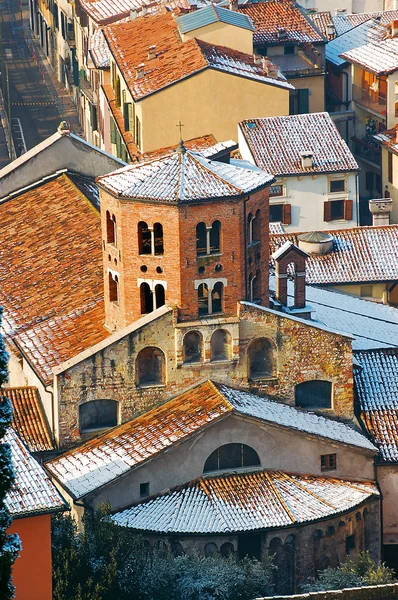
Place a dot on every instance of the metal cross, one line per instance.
(180, 125)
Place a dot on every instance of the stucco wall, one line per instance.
(387, 476)
(223, 34)
(277, 449)
(31, 573)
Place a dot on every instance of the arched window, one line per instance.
(231, 456)
(215, 237)
(211, 549)
(203, 299)
(192, 347)
(146, 298)
(314, 394)
(110, 228)
(159, 295)
(113, 287)
(256, 228)
(97, 414)
(221, 345)
(176, 549)
(249, 228)
(227, 550)
(217, 297)
(150, 367)
(144, 239)
(201, 239)
(158, 238)
(261, 359)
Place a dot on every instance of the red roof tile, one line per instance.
(51, 271)
(323, 21)
(174, 60)
(269, 17)
(29, 420)
(359, 255)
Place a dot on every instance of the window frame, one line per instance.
(329, 462)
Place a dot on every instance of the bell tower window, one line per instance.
(110, 228)
(113, 287)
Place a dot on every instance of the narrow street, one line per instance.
(38, 101)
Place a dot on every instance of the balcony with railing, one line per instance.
(369, 99)
(367, 149)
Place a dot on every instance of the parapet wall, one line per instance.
(374, 592)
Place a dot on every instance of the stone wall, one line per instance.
(301, 352)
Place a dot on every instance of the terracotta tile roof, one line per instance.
(246, 502)
(388, 140)
(376, 384)
(322, 21)
(175, 60)
(33, 492)
(379, 57)
(51, 271)
(183, 177)
(94, 464)
(359, 255)
(269, 17)
(276, 144)
(29, 420)
(104, 12)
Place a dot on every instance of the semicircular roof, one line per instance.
(184, 176)
(245, 502)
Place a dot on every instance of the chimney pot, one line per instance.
(152, 52)
(139, 71)
(380, 209)
(133, 15)
(233, 5)
(307, 159)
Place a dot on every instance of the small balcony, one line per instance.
(369, 99)
(367, 149)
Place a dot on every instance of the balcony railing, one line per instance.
(367, 149)
(369, 99)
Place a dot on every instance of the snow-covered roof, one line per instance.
(376, 383)
(32, 492)
(104, 458)
(359, 255)
(99, 50)
(379, 56)
(344, 23)
(276, 144)
(276, 227)
(246, 502)
(183, 176)
(371, 324)
(213, 14)
(367, 32)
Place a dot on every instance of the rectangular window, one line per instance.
(288, 50)
(328, 462)
(113, 132)
(276, 190)
(126, 115)
(63, 25)
(275, 213)
(336, 185)
(144, 489)
(350, 544)
(93, 117)
(337, 210)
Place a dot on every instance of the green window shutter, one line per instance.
(113, 132)
(93, 117)
(131, 117)
(126, 115)
(303, 101)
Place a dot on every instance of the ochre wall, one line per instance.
(223, 34)
(31, 572)
(209, 102)
(317, 87)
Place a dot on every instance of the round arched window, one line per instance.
(231, 456)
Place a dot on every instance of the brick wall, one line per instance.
(179, 266)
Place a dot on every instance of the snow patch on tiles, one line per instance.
(293, 418)
(245, 502)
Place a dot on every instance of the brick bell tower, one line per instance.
(184, 231)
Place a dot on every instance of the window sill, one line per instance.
(206, 316)
(144, 386)
(213, 254)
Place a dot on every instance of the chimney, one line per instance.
(143, 11)
(380, 209)
(257, 59)
(233, 5)
(281, 32)
(307, 159)
(152, 52)
(330, 29)
(133, 15)
(394, 28)
(139, 71)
